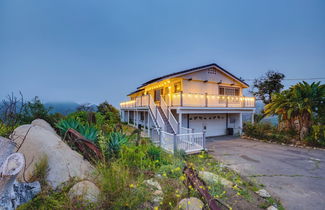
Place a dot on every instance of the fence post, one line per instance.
(160, 136)
(204, 140)
(175, 143)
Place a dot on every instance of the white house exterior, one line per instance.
(205, 99)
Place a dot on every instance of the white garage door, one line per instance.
(215, 124)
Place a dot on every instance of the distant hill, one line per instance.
(62, 107)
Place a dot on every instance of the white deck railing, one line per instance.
(193, 100)
(189, 142)
(186, 130)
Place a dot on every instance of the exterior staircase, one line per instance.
(169, 128)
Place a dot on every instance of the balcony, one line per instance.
(195, 100)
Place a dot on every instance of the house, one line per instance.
(206, 99)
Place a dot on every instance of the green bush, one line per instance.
(5, 130)
(154, 153)
(266, 131)
(316, 136)
(120, 189)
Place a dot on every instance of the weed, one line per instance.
(40, 171)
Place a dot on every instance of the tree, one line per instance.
(35, 109)
(298, 106)
(87, 107)
(265, 86)
(109, 111)
(11, 109)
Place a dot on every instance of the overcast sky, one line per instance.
(91, 51)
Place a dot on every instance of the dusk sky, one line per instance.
(91, 51)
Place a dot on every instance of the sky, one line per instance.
(92, 51)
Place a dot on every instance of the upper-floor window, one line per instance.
(229, 91)
(177, 87)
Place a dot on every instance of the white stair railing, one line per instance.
(156, 114)
(171, 119)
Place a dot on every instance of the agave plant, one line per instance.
(88, 131)
(64, 125)
(112, 143)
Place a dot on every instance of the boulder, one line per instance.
(191, 203)
(209, 177)
(86, 190)
(263, 193)
(13, 193)
(158, 194)
(271, 208)
(42, 123)
(22, 193)
(63, 162)
(6, 148)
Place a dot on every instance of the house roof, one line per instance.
(189, 71)
(139, 90)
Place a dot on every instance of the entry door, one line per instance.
(158, 94)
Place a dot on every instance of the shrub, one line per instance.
(316, 136)
(266, 131)
(154, 153)
(41, 170)
(120, 189)
(5, 130)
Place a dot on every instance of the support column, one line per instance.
(179, 122)
(128, 116)
(134, 118)
(240, 123)
(253, 117)
(148, 123)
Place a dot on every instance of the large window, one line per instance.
(177, 87)
(229, 91)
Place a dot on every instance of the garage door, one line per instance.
(215, 124)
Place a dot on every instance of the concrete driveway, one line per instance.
(294, 175)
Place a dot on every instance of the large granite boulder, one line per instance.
(42, 123)
(39, 140)
(85, 190)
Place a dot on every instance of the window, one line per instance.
(229, 91)
(177, 87)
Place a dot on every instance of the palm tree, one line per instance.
(298, 106)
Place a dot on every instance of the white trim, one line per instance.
(196, 70)
(212, 111)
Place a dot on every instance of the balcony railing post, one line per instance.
(206, 99)
(181, 98)
(141, 101)
(227, 101)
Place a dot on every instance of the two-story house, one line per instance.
(206, 98)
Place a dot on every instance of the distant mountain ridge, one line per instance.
(64, 108)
